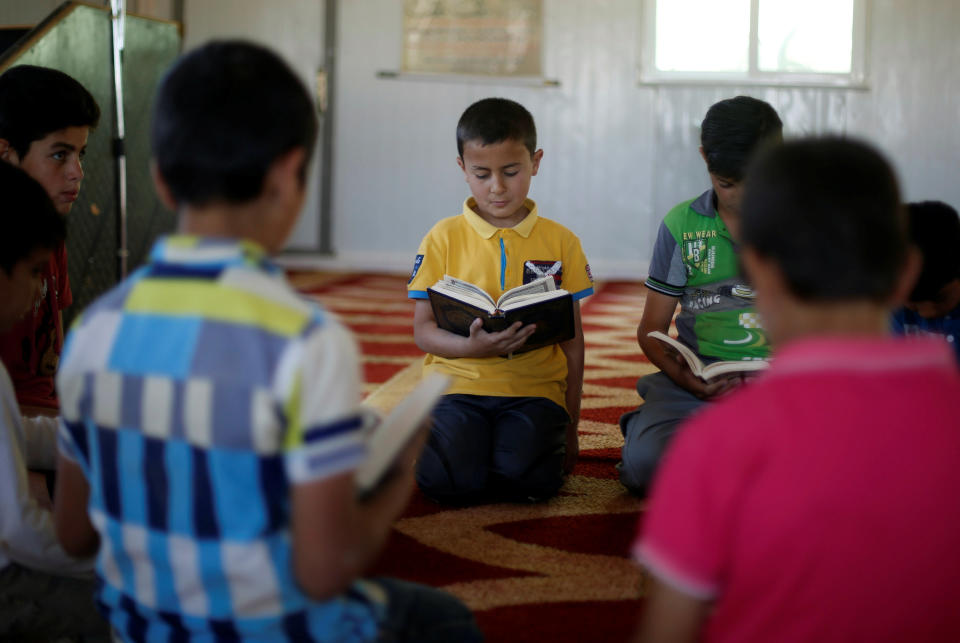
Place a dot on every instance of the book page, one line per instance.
(466, 292)
(733, 366)
(706, 372)
(516, 302)
(459, 285)
(390, 435)
(688, 355)
(542, 285)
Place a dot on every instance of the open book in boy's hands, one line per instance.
(708, 371)
(389, 436)
(457, 303)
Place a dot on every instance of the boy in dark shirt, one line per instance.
(45, 118)
(934, 303)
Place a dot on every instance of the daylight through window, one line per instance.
(754, 41)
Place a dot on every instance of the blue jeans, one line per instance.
(488, 448)
(649, 429)
(421, 614)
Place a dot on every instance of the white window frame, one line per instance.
(856, 78)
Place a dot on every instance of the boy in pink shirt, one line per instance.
(819, 503)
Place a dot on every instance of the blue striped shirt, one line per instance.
(194, 394)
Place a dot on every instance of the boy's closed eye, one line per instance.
(484, 177)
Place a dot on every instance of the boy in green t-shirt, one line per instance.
(695, 263)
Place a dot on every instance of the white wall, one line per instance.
(617, 155)
(295, 29)
(394, 152)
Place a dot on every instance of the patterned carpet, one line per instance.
(557, 571)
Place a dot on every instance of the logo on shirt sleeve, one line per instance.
(533, 270)
(416, 268)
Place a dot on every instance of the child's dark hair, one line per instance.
(828, 212)
(223, 114)
(731, 132)
(493, 120)
(35, 101)
(30, 221)
(935, 230)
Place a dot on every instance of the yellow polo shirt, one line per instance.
(498, 259)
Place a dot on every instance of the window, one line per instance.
(764, 42)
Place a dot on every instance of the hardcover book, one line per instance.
(457, 303)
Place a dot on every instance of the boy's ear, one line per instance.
(288, 166)
(461, 165)
(537, 156)
(907, 278)
(285, 178)
(7, 153)
(160, 184)
(703, 154)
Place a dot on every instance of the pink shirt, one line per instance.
(821, 503)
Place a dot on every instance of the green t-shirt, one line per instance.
(696, 259)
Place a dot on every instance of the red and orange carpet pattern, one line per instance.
(557, 571)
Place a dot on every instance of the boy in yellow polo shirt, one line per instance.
(507, 429)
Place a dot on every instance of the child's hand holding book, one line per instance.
(706, 381)
(537, 311)
(504, 342)
(703, 389)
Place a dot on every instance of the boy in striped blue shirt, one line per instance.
(211, 424)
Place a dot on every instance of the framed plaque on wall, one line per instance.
(473, 37)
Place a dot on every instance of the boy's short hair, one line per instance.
(731, 132)
(30, 221)
(828, 212)
(35, 101)
(492, 120)
(223, 114)
(935, 230)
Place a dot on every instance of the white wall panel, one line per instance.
(395, 149)
(617, 155)
(295, 29)
(913, 108)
